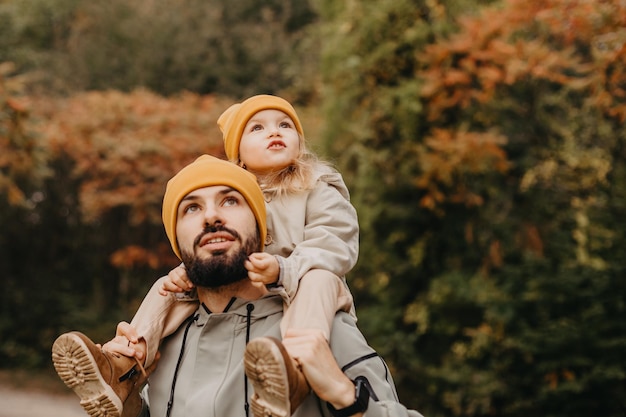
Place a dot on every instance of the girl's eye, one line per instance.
(285, 125)
(256, 127)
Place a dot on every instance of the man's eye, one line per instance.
(231, 201)
(191, 208)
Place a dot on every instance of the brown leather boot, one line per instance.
(279, 386)
(103, 381)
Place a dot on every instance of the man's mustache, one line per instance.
(213, 229)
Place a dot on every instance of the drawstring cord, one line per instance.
(192, 319)
(170, 403)
(249, 307)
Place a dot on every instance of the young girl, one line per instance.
(312, 243)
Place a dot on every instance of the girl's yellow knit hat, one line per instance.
(234, 119)
(208, 171)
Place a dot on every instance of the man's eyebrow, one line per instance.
(226, 190)
(189, 197)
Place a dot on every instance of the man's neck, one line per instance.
(216, 299)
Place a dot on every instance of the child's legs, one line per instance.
(159, 316)
(321, 294)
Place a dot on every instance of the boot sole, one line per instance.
(78, 369)
(265, 367)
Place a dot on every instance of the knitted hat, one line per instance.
(207, 171)
(234, 119)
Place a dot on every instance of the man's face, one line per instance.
(216, 231)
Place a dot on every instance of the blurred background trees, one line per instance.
(487, 164)
(483, 143)
(217, 46)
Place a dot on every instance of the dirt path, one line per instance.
(36, 395)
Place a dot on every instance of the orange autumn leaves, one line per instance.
(125, 147)
(567, 45)
(580, 44)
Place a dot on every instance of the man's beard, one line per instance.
(220, 269)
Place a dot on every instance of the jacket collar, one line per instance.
(263, 307)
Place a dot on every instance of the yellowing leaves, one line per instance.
(21, 153)
(449, 156)
(134, 256)
(553, 379)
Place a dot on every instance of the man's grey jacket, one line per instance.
(210, 380)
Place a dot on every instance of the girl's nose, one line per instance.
(274, 131)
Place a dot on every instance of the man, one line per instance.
(214, 216)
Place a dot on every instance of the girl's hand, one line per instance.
(125, 342)
(175, 281)
(263, 268)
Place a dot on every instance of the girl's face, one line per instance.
(270, 142)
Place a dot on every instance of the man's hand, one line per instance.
(310, 350)
(263, 268)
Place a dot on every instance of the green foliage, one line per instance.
(482, 141)
(483, 155)
(239, 48)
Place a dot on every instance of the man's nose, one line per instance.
(212, 216)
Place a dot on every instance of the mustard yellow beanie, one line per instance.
(207, 171)
(234, 119)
